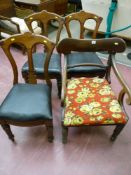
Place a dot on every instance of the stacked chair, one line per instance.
(82, 80)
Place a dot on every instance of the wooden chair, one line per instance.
(90, 101)
(27, 104)
(44, 18)
(85, 57)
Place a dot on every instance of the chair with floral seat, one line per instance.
(27, 104)
(90, 101)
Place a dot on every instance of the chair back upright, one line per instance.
(45, 18)
(82, 17)
(29, 41)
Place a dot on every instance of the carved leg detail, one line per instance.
(59, 87)
(50, 133)
(8, 131)
(116, 132)
(64, 134)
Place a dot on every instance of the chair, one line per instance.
(11, 24)
(90, 101)
(85, 57)
(27, 104)
(44, 18)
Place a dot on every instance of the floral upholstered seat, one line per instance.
(91, 101)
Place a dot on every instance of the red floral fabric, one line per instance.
(91, 101)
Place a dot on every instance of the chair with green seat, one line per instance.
(27, 104)
(90, 101)
(44, 19)
(86, 57)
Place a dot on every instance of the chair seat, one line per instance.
(84, 57)
(27, 102)
(39, 59)
(8, 26)
(91, 101)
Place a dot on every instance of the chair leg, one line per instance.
(59, 87)
(116, 132)
(8, 131)
(50, 133)
(64, 134)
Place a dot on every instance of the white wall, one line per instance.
(122, 16)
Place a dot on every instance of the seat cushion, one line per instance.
(84, 57)
(39, 59)
(91, 101)
(8, 26)
(27, 102)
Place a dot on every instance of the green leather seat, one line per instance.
(84, 57)
(27, 102)
(39, 59)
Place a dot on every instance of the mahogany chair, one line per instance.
(44, 19)
(27, 104)
(90, 101)
(85, 57)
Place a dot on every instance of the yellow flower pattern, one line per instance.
(91, 101)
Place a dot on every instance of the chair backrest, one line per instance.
(44, 18)
(82, 17)
(29, 41)
(111, 45)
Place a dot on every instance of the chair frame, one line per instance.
(113, 46)
(45, 18)
(28, 40)
(82, 17)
